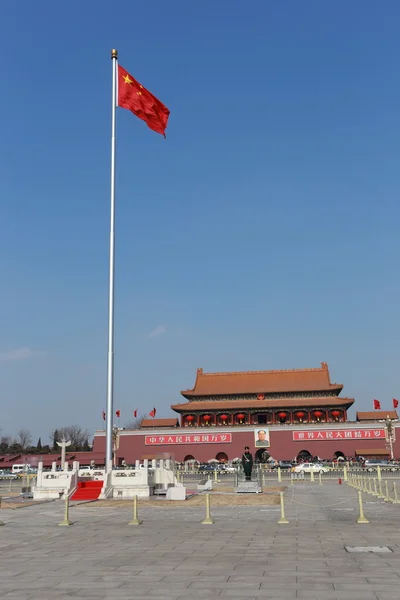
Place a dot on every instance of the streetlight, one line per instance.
(390, 434)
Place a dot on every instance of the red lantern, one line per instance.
(260, 397)
(224, 417)
(282, 415)
(300, 414)
(206, 418)
(240, 416)
(190, 418)
(318, 414)
(336, 413)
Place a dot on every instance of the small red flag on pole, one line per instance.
(152, 413)
(395, 403)
(104, 415)
(133, 96)
(377, 405)
(118, 413)
(135, 413)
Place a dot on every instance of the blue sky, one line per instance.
(262, 234)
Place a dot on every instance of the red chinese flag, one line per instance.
(395, 403)
(377, 405)
(133, 96)
(135, 413)
(104, 415)
(152, 413)
(118, 413)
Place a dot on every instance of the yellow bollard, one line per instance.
(395, 499)
(215, 475)
(312, 475)
(283, 520)
(279, 475)
(208, 520)
(345, 477)
(361, 518)
(1, 522)
(291, 478)
(387, 495)
(379, 474)
(135, 520)
(375, 492)
(370, 491)
(66, 522)
(380, 493)
(320, 478)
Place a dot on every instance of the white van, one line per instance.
(19, 469)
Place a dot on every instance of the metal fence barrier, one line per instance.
(267, 476)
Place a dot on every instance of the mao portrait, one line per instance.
(261, 438)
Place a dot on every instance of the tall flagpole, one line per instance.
(110, 360)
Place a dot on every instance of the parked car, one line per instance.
(311, 468)
(230, 468)
(7, 475)
(282, 464)
(373, 464)
(212, 467)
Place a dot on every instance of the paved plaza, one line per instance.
(172, 556)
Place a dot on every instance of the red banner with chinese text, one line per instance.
(345, 434)
(211, 438)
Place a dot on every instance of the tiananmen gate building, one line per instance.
(286, 414)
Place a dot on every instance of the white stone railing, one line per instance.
(55, 483)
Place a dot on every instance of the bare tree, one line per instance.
(6, 439)
(74, 433)
(24, 438)
(135, 423)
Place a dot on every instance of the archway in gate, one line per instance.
(339, 455)
(222, 457)
(188, 457)
(262, 455)
(304, 456)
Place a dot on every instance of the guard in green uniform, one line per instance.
(247, 462)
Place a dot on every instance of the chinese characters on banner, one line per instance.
(345, 434)
(206, 438)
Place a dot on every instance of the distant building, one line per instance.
(289, 414)
(263, 398)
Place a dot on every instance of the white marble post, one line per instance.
(63, 445)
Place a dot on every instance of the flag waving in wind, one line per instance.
(126, 92)
(377, 405)
(395, 403)
(133, 96)
(152, 413)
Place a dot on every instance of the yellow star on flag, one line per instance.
(127, 79)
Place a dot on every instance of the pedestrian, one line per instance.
(247, 463)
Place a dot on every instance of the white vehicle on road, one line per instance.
(310, 468)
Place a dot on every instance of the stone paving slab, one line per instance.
(245, 554)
